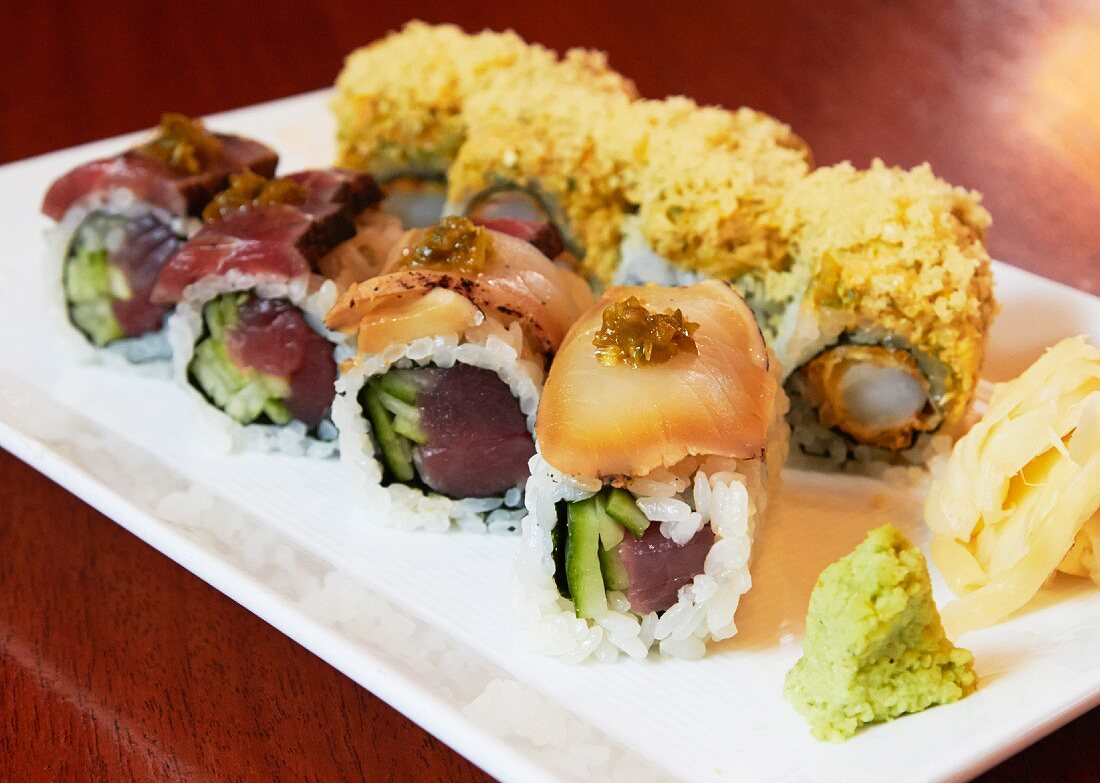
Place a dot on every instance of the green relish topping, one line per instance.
(249, 189)
(633, 335)
(454, 243)
(183, 143)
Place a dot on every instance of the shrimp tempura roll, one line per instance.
(435, 413)
(881, 319)
(660, 417)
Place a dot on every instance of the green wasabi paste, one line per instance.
(875, 648)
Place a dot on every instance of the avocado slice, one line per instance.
(622, 508)
(582, 560)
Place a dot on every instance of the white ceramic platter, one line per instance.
(422, 619)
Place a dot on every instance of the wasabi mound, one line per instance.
(875, 648)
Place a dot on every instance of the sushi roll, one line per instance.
(247, 333)
(401, 102)
(659, 432)
(120, 219)
(881, 317)
(435, 413)
(707, 186)
(549, 152)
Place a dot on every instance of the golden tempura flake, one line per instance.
(401, 102)
(898, 252)
(708, 184)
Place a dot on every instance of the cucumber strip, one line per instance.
(117, 285)
(410, 429)
(396, 406)
(243, 395)
(611, 532)
(396, 452)
(221, 314)
(400, 384)
(277, 412)
(621, 506)
(582, 560)
(97, 321)
(87, 276)
(247, 403)
(614, 572)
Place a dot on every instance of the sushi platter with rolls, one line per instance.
(722, 414)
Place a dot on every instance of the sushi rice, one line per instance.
(147, 354)
(185, 328)
(487, 345)
(728, 494)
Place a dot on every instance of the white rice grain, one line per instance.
(309, 293)
(704, 609)
(490, 346)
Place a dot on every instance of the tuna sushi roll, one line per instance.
(247, 332)
(121, 219)
(435, 413)
(881, 317)
(659, 430)
(401, 103)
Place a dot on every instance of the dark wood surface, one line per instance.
(115, 664)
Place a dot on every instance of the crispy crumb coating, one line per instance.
(568, 144)
(400, 101)
(709, 183)
(903, 251)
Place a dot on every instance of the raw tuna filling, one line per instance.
(260, 361)
(605, 542)
(657, 567)
(110, 270)
(458, 430)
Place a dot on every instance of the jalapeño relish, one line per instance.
(454, 243)
(183, 143)
(633, 335)
(249, 189)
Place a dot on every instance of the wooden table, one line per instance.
(115, 664)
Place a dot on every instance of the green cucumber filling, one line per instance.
(456, 431)
(243, 393)
(92, 283)
(390, 404)
(586, 548)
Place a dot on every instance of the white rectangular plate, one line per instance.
(422, 619)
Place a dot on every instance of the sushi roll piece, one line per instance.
(707, 187)
(549, 152)
(881, 318)
(120, 219)
(401, 103)
(659, 432)
(247, 333)
(435, 413)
